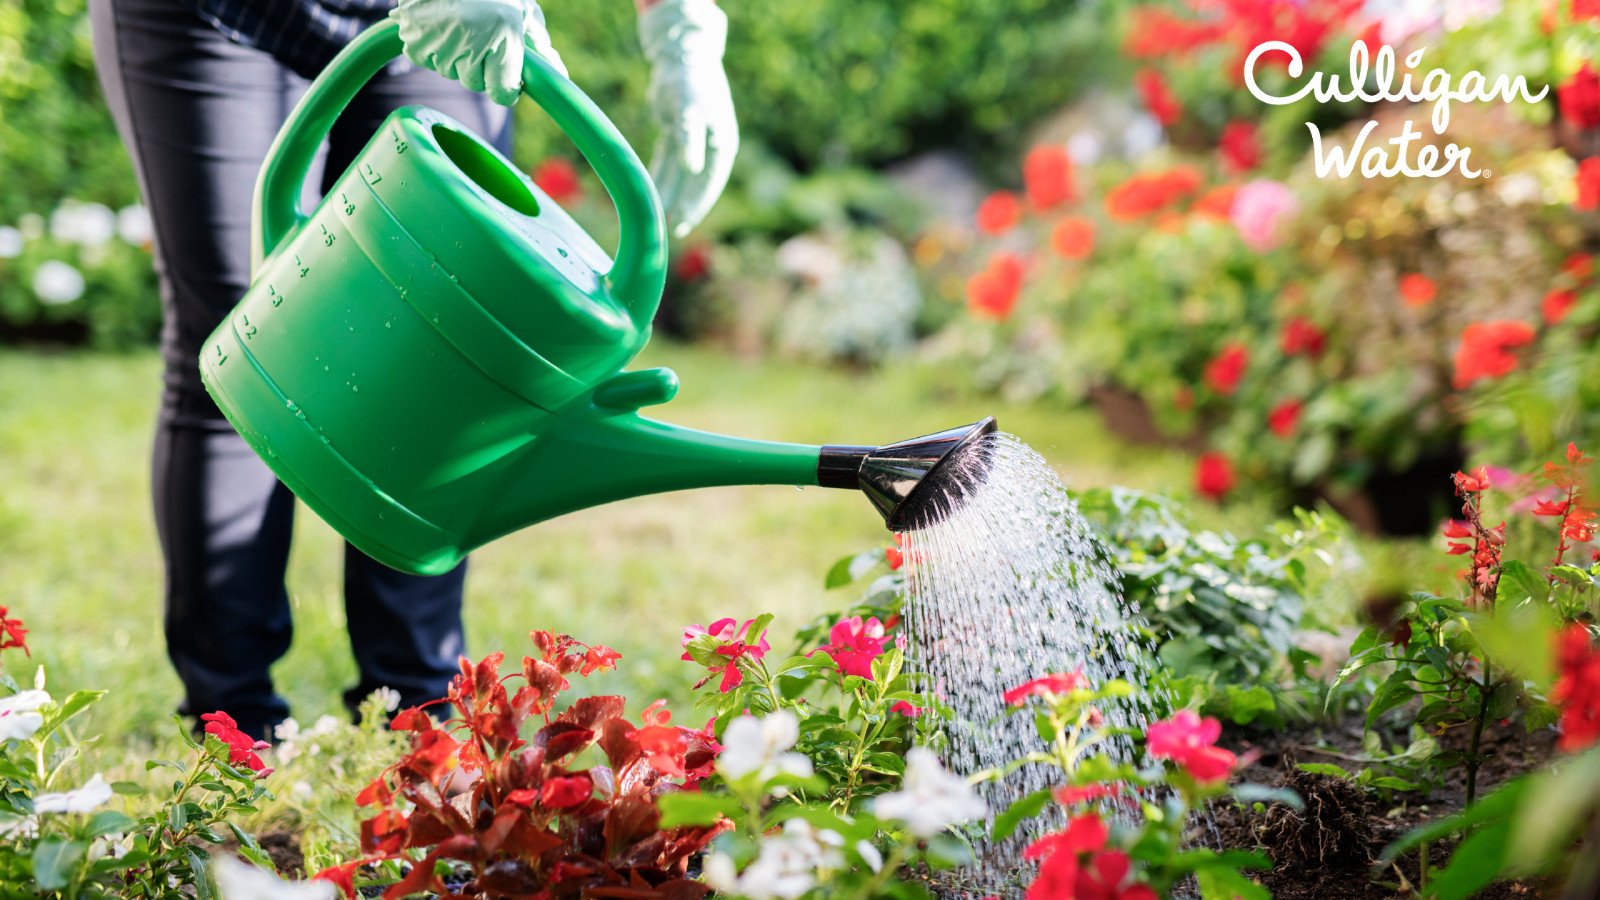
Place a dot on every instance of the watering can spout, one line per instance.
(916, 482)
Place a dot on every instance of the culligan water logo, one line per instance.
(1374, 78)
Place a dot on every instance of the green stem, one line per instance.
(897, 858)
(1486, 690)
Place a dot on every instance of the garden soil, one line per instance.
(1331, 849)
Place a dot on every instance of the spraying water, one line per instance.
(1008, 584)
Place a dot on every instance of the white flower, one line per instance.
(720, 873)
(19, 826)
(57, 282)
(390, 698)
(241, 881)
(870, 855)
(133, 225)
(1085, 147)
(85, 799)
(324, 725)
(85, 224)
(302, 791)
(287, 730)
(20, 716)
(1142, 135)
(10, 242)
(931, 799)
(788, 863)
(761, 745)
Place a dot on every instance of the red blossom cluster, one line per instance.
(1047, 177)
(1579, 97)
(1073, 238)
(243, 750)
(1283, 419)
(1046, 686)
(854, 644)
(733, 643)
(1417, 289)
(993, 292)
(1146, 193)
(1483, 577)
(1577, 689)
(1576, 274)
(1240, 146)
(1488, 350)
(531, 824)
(1158, 98)
(1588, 185)
(1577, 517)
(1075, 864)
(1213, 475)
(1226, 369)
(12, 632)
(1191, 742)
(999, 212)
(1301, 336)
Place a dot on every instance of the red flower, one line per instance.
(1071, 795)
(1556, 305)
(1058, 874)
(1156, 32)
(1240, 146)
(1150, 192)
(1106, 876)
(1577, 690)
(1579, 98)
(854, 644)
(1047, 686)
(1579, 266)
(992, 293)
(1226, 369)
(1190, 741)
(1585, 9)
(1047, 176)
(1300, 336)
(241, 747)
(564, 791)
(1213, 476)
(1285, 417)
(906, 709)
(1073, 238)
(999, 213)
(12, 632)
(694, 263)
(558, 178)
(1487, 350)
(1588, 184)
(1216, 203)
(1417, 289)
(1158, 98)
(342, 876)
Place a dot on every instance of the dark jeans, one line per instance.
(197, 113)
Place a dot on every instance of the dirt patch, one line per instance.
(283, 848)
(1331, 849)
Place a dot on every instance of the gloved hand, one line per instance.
(684, 40)
(476, 42)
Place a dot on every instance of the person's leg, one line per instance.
(197, 113)
(405, 630)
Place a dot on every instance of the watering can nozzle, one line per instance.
(915, 482)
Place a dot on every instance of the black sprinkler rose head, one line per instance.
(916, 482)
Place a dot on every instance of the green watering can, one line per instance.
(433, 358)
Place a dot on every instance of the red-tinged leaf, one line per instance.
(683, 843)
(510, 878)
(376, 793)
(590, 712)
(618, 743)
(412, 719)
(491, 838)
(605, 781)
(425, 830)
(529, 841)
(562, 739)
(546, 678)
(633, 819)
(383, 834)
(421, 878)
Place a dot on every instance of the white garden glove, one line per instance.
(476, 42)
(684, 40)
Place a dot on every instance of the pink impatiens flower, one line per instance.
(1190, 741)
(854, 644)
(1049, 685)
(733, 643)
(1259, 210)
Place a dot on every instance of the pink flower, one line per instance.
(854, 644)
(906, 709)
(1047, 686)
(733, 645)
(1260, 209)
(1190, 741)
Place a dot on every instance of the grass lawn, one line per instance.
(79, 562)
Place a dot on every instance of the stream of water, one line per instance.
(1008, 586)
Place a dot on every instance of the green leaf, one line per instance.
(1396, 691)
(1518, 581)
(946, 851)
(1222, 882)
(110, 821)
(1251, 793)
(1328, 769)
(1025, 808)
(54, 860)
(1474, 863)
(76, 702)
(695, 808)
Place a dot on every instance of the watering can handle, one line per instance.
(639, 270)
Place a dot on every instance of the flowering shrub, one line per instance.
(59, 836)
(83, 275)
(1126, 833)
